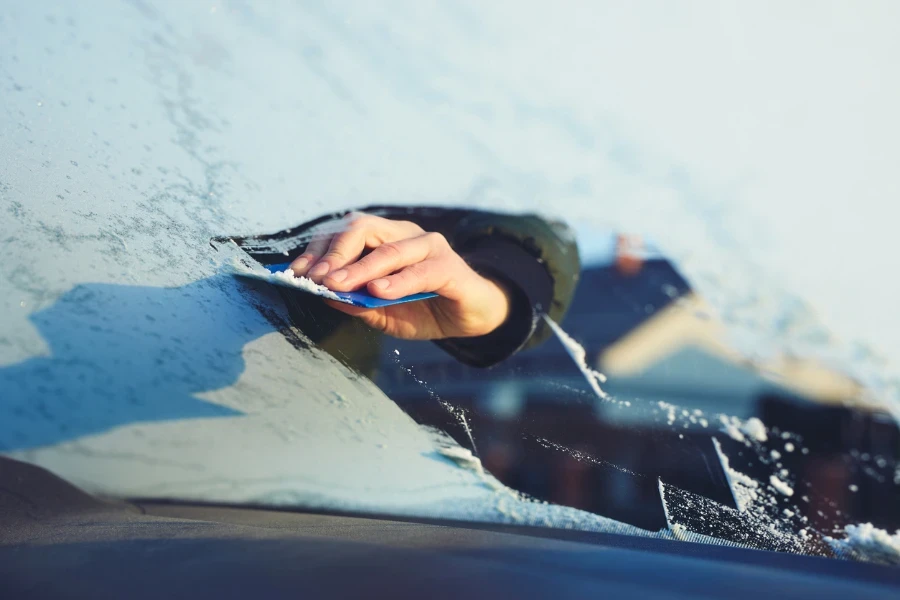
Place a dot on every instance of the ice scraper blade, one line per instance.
(357, 298)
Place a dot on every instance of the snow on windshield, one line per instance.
(132, 134)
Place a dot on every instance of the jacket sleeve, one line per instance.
(536, 260)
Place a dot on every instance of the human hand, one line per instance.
(404, 260)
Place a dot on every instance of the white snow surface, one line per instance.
(869, 543)
(781, 486)
(754, 429)
(744, 488)
(743, 431)
(671, 411)
(285, 278)
(732, 427)
(464, 458)
(578, 354)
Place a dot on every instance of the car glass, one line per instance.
(135, 364)
(637, 409)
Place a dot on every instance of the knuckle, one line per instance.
(409, 225)
(340, 240)
(335, 255)
(391, 250)
(416, 271)
(362, 266)
(359, 220)
(375, 321)
(437, 240)
(355, 222)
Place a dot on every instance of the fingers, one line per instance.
(387, 259)
(308, 263)
(314, 251)
(362, 231)
(431, 275)
(347, 246)
(344, 248)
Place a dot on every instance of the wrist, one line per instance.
(498, 302)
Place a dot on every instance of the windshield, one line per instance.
(705, 367)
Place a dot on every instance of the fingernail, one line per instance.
(318, 270)
(300, 264)
(338, 276)
(381, 284)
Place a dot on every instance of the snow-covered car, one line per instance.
(168, 428)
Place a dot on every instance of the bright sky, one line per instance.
(774, 124)
(782, 116)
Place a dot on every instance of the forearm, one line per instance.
(537, 264)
